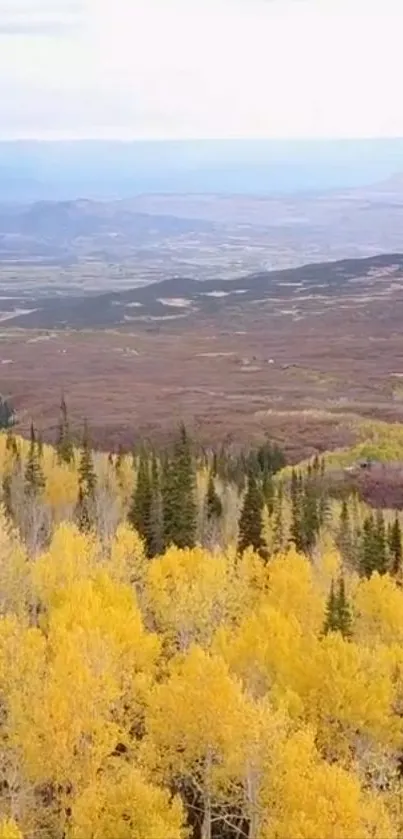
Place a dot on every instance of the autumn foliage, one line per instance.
(206, 691)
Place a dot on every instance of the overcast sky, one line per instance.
(200, 68)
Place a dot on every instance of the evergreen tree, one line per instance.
(344, 536)
(83, 512)
(338, 615)
(214, 465)
(179, 495)
(213, 501)
(119, 462)
(373, 555)
(268, 490)
(278, 520)
(297, 533)
(140, 509)
(11, 445)
(6, 495)
(7, 415)
(11, 469)
(344, 618)
(250, 522)
(87, 483)
(381, 543)
(310, 517)
(156, 521)
(34, 477)
(331, 622)
(395, 546)
(86, 472)
(170, 502)
(64, 443)
(316, 465)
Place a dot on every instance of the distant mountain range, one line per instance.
(34, 170)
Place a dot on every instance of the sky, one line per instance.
(200, 68)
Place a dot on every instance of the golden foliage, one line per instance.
(123, 679)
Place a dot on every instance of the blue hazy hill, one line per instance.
(37, 170)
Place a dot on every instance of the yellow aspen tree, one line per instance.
(193, 721)
(121, 804)
(188, 593)
(127, 562)
(307, 798)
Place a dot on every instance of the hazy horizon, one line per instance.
(35, 170)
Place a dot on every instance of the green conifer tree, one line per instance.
(179, 495)
(170, 501)
(140, 509)
(338, 614)
(86, 472)
(268, 490)
(213, 501)
(381, 543)
(278, 520)
(344, 536)
(34, 477)
(368, 547)
(64, 443)
(83, 512)
(395, 547)
(344, 619)
(156, 520)
(297, 529)
(6, 495)
(331, 622)
(11, 445)
(316, 465)
(250, 522)
(310, 517)
(87, 483)
(119, 461)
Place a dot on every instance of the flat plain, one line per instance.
(162, 308)
(300, 362)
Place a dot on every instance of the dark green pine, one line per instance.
(83, 516)
(156, 546)
(310, 517)
(297, 529)
(213, 501)
(86, 472)
(331, 618)
(34, 477)
(381, 543)
(250, 522)
(179, 495)
(395, 547)
(140, 510)
(64, 443)
(369, 547)
(344, 618)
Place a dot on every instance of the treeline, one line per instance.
(163, 506)
(183, 495)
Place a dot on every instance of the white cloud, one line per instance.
(166, 68)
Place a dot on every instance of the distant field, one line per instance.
(303, 367)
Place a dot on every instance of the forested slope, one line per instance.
(195, 644)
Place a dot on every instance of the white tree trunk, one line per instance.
(207, 816)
